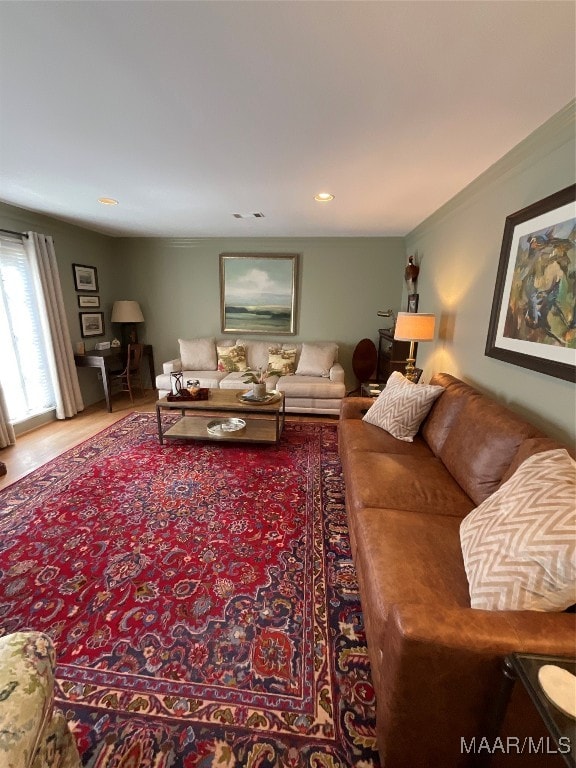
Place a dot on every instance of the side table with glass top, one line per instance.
(524, 668)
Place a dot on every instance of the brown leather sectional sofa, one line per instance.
(436, 662)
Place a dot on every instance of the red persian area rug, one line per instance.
(201, 596)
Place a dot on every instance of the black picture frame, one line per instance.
(533, 318)
(412, 302)
(89, 302)
(85, 278)
(91, 324)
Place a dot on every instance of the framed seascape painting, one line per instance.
(258, 292)
(533, 320)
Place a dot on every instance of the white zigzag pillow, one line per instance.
(519, 545)
(401, 406)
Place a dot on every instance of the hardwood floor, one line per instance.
(45, 443)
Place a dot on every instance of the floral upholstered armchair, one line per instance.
(32, 733)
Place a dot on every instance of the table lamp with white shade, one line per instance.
(414, 327)
(128, 313)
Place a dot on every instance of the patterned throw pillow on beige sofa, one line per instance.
(283, 360)
(232, 359)
(519, 545)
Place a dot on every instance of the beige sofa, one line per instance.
(316, 387)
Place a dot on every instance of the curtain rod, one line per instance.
(11, 232)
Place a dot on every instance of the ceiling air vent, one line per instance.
(248, 215)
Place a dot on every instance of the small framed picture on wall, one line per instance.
(89, 301)
(91, 324)
(412, 302)
(85, 278)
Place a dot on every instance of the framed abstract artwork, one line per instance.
(258, 292)
(533, 319)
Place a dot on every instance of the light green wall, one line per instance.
(460, 248)
(73, 245)
(343, 284)
(345, 281)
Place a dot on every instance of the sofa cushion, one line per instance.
(430, 569)
(235, 380)
(401, 406)
(282, 359)
(445, 411)
(317, 359)
(310, 387)
(354, 434)
(256, 353)
(232, 358)
(529, 448)
(482, 444)
(411, 482)
(198, 354)
(519, 545)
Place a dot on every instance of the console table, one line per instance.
(108, 360)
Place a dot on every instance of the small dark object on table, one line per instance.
(184, 394)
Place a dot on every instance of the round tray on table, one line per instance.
(225, 427)
(270, 397)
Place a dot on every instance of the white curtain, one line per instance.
(61, 357)
(6, 430)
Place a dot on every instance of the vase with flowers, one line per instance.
(258, 380)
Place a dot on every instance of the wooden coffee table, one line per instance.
(264, 422)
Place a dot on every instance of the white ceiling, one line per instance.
(188, 112)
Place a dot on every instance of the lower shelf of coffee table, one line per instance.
(258, 430)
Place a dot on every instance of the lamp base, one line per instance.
(410, 371)
(129, 334)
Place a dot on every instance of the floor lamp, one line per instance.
(413, 327)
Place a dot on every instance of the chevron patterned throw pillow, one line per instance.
(402, 406)
(519, 545)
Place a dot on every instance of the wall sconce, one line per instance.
(128, 313)
(387, 313)
(414, 327)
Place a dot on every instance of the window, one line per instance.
(24, 367)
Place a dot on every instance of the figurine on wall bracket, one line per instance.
(411, 273)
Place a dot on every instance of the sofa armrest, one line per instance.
(355, 407)
(172, 365)
(439, 671)
(492, 632)
(337, 373)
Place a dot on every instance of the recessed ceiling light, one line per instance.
(323, 197)
(107, 201)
